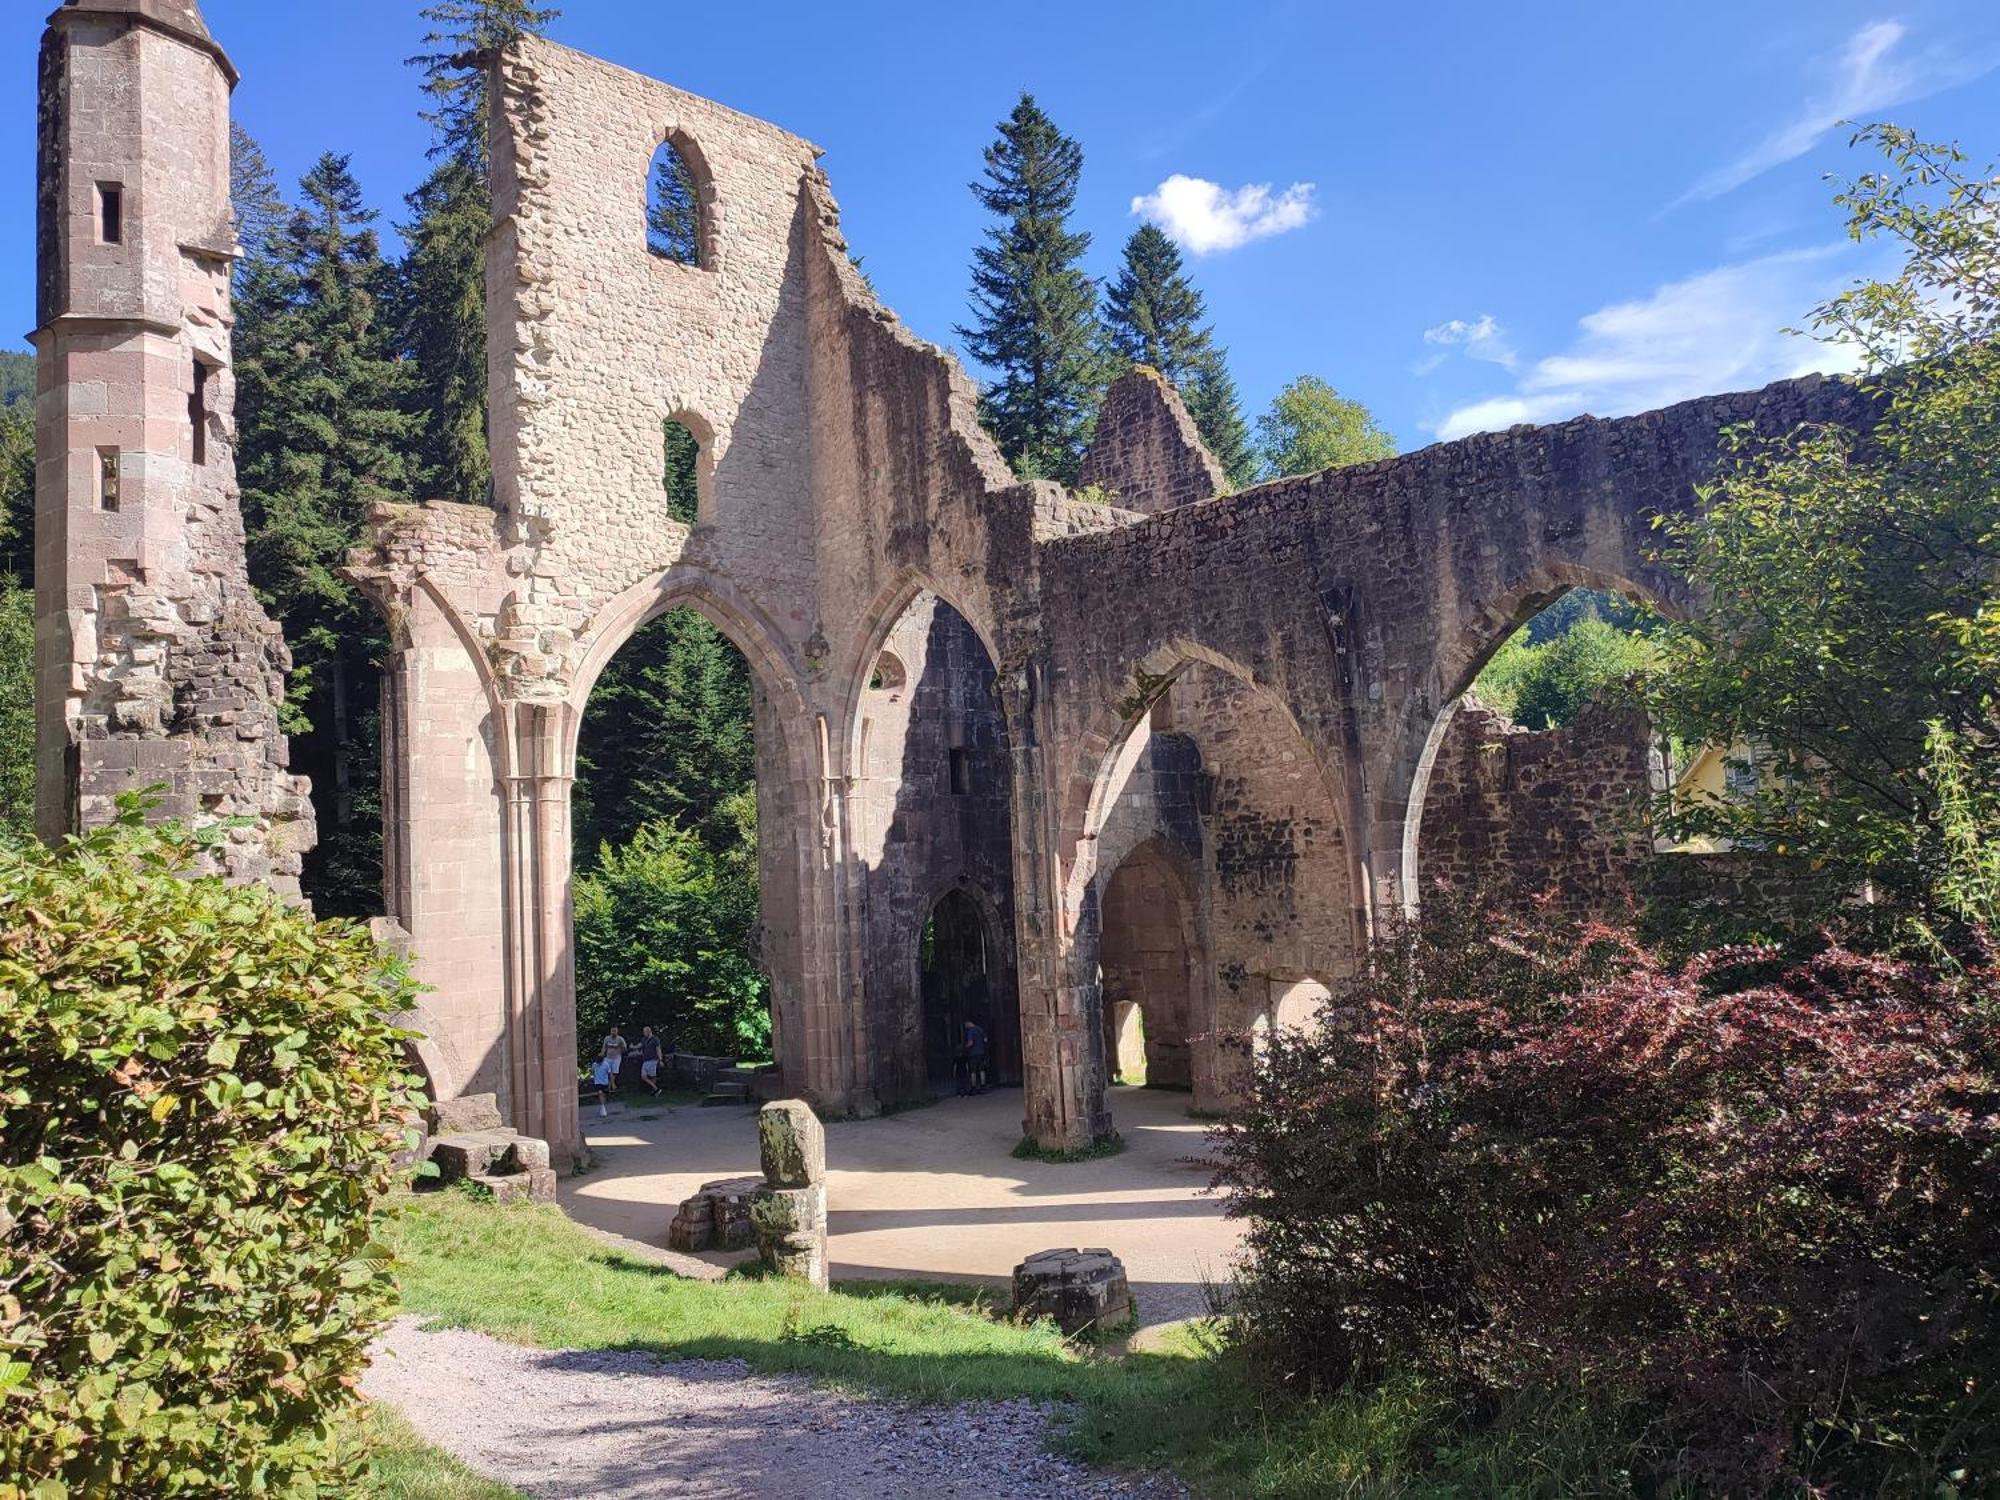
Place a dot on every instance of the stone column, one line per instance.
(1062, 1075)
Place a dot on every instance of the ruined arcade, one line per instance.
(1171, 757)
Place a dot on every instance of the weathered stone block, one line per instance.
(472, 1155)
(792, 1144)
(473, 1113)
(1082, 1290)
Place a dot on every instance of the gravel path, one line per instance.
(599, 1425)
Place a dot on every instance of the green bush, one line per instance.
(665, 937)
(200, 1102)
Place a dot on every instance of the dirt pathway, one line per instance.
(599, 1425)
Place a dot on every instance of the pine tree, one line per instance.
(668, 738)
(1154, 316)
(325, 431)
(457, 91)
(1152, 312)
(442, 302)
(1035, 308)
(1218, 415)
(254, 196)
(673, 210)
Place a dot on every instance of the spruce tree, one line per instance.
(325, 431)
(254, 196)
(1154, 316)
(1034, 307)
(1218, 414)
(442, 306)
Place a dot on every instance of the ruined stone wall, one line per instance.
(1513, 812)
(1147, 454)
(932, 811)
(155, 664)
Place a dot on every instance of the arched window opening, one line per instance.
(684, 471)
(890, 675)
(667, 894)
(675, 213)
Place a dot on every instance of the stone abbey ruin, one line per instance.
(1176, 756)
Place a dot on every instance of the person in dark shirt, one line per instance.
(649, 1059)
(975, 1057)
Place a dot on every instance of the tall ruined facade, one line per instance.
(1131, 781)
(155, 665)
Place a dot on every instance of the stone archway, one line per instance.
(1148, 966)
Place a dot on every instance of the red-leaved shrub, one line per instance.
(1755, 1202)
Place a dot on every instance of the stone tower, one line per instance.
(155, 664)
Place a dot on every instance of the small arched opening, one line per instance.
(687, 469)
(678, 210)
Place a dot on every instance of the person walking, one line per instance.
(609, 1064)
(649, 1059)
(975, 1057)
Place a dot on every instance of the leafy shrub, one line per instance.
(1547, 684)
(665, 934)
(200, 1101)
(1755, 1205)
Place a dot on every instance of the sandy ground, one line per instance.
(933, 1193)
(610, 1425)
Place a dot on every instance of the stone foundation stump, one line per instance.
(789, 1211)
(1084, 1291)
(470, 1144)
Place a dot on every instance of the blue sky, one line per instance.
(1466, 214)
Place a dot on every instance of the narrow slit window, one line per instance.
(961, 772)
(111, 213)
(198, 413)
(108, 475)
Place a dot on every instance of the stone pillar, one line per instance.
(1062, 1053)
(155, 665)
(789, 1211)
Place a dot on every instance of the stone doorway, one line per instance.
(963, 980)
(1145, 959)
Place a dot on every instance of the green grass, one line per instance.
(1111, 1145)
(529, 1275)
(402, 1466)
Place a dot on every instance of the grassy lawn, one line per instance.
(531, 1276)
(404, 1467)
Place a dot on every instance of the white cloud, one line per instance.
(1482, 338)
(1872, 72)
(1205, 217)
(1718, 331)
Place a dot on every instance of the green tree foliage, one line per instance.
(666, 929)
(1547, 684)
(17, 489)
(327, 428)
(1854, 615)
(255, 198)
(17, 707)
(1311, 426)
(200, 1105)
(673, 209)
(454, 84)
(17, 377)
(1034, 306)
(667, 737)
(682, 473)
(1154, 316)
(441, 309)
(441, 320)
